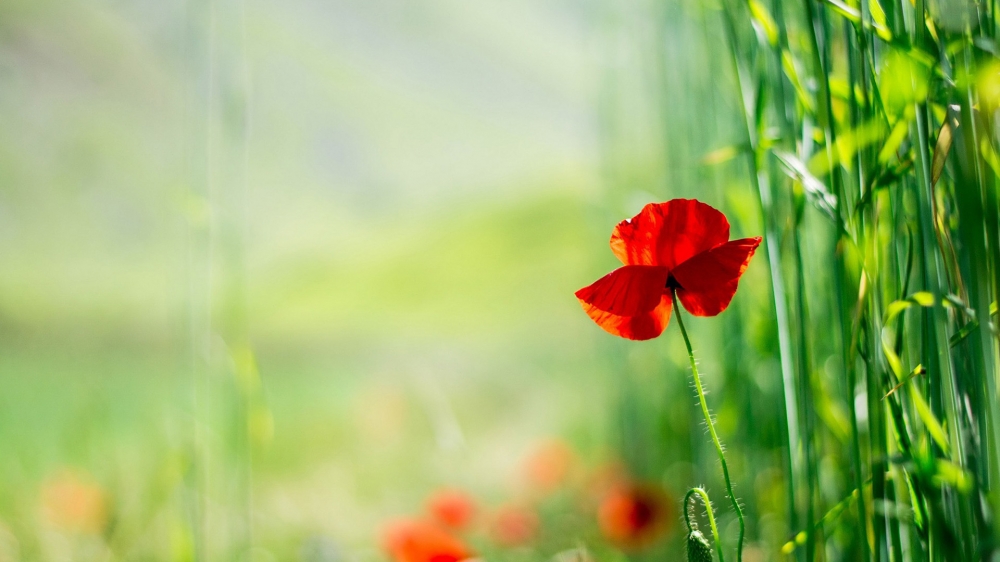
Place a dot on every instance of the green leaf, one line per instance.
(924, 299)
(941, 149)
(947, 472)
(847, 146)
(830, 517)
(791, 71)
(843, 9)
(879, 20)
(815, 189)
(931, 422)
(762, 17)
(899, 133)
(903, 81)
(969, 327)
(888, 349)
(918, 370)
(990, 155)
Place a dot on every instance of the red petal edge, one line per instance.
(709, 280)
(669, 233)
(629, 302)
(644, 326)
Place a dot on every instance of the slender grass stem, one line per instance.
(711, 431)
(772, 246)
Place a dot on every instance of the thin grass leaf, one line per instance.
(921, 298)
(847, 146)
(949, 473)
(941, 149)
(830, 517)
(918, 370)
(852, 15)
(891, 357)
(899, 133)
(816, 190)
(879, 20)
(989, 155)
(841, 90)
(971, 326)
(762, 17)
(931, 423)
(791, 71)
(888, 175)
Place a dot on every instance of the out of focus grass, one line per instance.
(418, 185)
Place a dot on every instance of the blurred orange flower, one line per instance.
(73, 502)
(633, 516)
(452, 508)
(410, 540)
(604, 477)
(549, 465)
(514, 525)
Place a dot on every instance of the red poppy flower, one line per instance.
(634, 515)
(73, 502)
(420, 541)
(514, 525)
(452, 508)
(680, 245)
(549, 465)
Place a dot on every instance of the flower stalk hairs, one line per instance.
(673, 253)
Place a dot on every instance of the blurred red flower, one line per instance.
(411, 540)
(635, 515)
(514, 525)
(452, 508)
(549, 465)
(683, 245)
(72, 502)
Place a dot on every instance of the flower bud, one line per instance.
(698, 549)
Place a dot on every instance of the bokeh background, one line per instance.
(272, 272)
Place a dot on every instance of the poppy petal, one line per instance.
(626, 291)
(629, 302)
(708, 281)
(635, 515)
(642, 326)
(670, 233)
(421, 541)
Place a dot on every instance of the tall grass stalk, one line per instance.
(867, 131)
(761, 188)
(869, 122)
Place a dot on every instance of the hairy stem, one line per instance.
(711, 431)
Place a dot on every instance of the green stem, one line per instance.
(711, 431)
(708, 513)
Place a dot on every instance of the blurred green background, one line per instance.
(274, 271)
